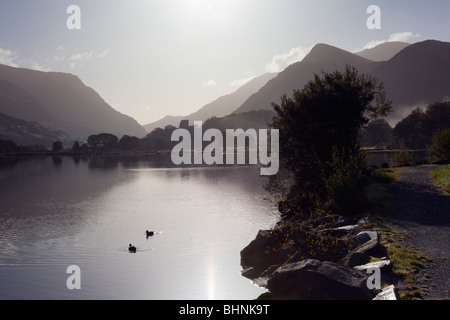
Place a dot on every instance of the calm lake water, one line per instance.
(57, 212)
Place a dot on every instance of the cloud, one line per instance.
(39, 67)
(400, 37)
(84, 56)
(103, 54)
(209, 83)
(8, 57)
(81, 58)
(281, 61)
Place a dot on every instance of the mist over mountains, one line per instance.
(40, 106)
(417, 75)
(413, 75)
(220, 107)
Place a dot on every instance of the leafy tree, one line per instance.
(8, 146)
(103, 142)
(320, 156)
(414, 131)
(440, 147)
(57, 146)
(128, 143)
(417, 129)
(376, 133)
(76, 147)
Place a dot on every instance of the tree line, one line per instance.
(414, 132)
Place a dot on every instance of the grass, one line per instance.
(407, 263)
(441, 177)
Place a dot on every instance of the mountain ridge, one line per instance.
(384, 51)
(417, 74)
(220, 107)
(76, 108)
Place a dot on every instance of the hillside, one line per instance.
(64, 102)
(383, 52)
(417, 75)
(321, 57)
(220, 107)
(30, 133)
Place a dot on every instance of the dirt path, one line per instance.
(424, 211)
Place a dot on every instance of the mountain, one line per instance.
(417, 75)
(30, 133)
(220, 107)
(18, 103)
(384, 51)
(321, 57)
(62, 101)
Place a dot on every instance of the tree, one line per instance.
(414, 131)
(128, 143)
(320, 157)
(376, 133)
(417, 129)
(76, 147)
(57, 146)
(8, 146)
(440, 147)
(103, 142)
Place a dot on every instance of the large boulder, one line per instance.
(316, 280)
(259, 254)
(355, 259)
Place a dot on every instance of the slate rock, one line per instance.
(316, 280)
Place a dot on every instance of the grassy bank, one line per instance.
(441, 177)
(407, 263)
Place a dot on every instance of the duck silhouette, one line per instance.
(132, 249)
(149, 233)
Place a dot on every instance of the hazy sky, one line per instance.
(150, 58)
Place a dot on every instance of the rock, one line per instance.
(354, 259)
(363, 218)
(333, 220)
(377, 264)
(372, 248)
(365, 236)
(388, 293)
(339, 231)
(259, 254)
(315, 280)
(250, 273)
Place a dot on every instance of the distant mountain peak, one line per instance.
(62, 101)
(324, 52)
(384, 51)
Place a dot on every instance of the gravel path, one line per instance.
(424, 211)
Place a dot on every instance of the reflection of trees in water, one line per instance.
(103, 162)
(8, 162)
(57, 161)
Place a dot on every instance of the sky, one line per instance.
(152, 58)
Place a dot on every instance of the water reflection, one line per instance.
(56, 212)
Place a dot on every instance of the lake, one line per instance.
(61, 211)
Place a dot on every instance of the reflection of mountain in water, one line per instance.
(49, 190)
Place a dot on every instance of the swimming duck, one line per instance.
(132, 249)
(149, 233)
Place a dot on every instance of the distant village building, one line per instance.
(184, 124)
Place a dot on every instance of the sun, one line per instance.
(215, 12)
